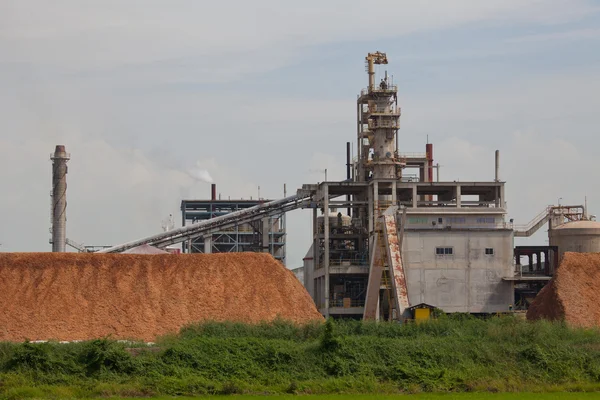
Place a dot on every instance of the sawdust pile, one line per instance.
(573, 295)
(62, 296)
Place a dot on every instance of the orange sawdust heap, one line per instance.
(69, 296)
(573, 295)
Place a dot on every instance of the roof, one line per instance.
(422, 305)
(583, 224)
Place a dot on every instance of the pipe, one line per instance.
(429, 157)
(348, 160)
(371, 73)
(348, 173)
(213, 190)
(223, 221)
(429, 152)
(497, 174)
(59, 198)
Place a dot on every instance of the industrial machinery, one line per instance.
(413, 240)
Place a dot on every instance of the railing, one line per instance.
(535, 220)
(373, 109)
(374, 124)
(342, 262)
(377, 89)
(347, 304)
(346, 262)
(413, 155)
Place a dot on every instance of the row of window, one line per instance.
(450, 220)
(448, 251)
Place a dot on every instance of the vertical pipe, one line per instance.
(348, 173)
(59, 198)
(429, 152)
(326, 240)
(371, 73)
(497, 174)
(213, 189)
(429, 166)
(309, 279)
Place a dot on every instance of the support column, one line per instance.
(326, 233)
(415, 199)
(370, 210)
(458, 196)
(208, 244)
(502, 202)
(394, 194)
(316, 261)
(265, 235)
(376, 203)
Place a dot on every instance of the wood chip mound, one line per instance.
(573, 294)
(71, 296)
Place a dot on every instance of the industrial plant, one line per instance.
(389, 238)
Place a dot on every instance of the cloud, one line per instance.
(209, 42)
(568, 35)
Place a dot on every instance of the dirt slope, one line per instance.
(573, 294)
(66, 296)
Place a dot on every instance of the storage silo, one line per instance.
(577, 236)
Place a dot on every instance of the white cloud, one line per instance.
(569, 35)
(225, 40)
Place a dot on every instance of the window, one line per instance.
(440, 220)
(444, 251)
(489, 251)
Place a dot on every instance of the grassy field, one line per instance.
(451, 355)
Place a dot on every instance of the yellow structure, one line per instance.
(422, 314)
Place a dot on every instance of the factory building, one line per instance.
(456, 245)
(263, 235)
(390, 236)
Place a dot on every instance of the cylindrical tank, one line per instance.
(334, 221)
(577, 236)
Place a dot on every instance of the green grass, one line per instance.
(451, 355)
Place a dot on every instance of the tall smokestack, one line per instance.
(59, 198)
(213, 188)
(429, 155)
(497, 174)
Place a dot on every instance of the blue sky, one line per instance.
(263, 93)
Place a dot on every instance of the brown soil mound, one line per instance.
(62, 296)
(573, 295)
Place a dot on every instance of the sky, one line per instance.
(150, 97)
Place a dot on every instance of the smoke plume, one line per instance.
(200, 174)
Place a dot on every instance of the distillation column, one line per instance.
(59, 198)
(381, 166)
